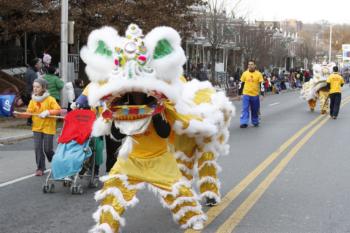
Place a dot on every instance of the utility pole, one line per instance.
(330, 44)
(64, 46)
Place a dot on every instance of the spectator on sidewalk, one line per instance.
(250, 86)
(31, 74)
(55, 84)
(266, 83)
(335, 82)
(306, 76)
(46, 63)
(40, 108)
(78, 87)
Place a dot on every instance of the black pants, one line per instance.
(43, 144)
(335, 104)
(111, 151)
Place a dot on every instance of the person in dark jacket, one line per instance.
(31, 74)
(55, 83)
(78, 87)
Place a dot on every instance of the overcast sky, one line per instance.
(334, 11)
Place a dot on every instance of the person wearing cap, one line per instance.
(46, 63)
(334, 83)
(40, 108)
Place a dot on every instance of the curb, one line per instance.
(7, 140)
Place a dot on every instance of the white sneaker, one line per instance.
(198, 226)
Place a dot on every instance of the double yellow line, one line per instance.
(230, 224)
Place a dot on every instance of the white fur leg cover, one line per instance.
(208, 183)
(116, 196)
(183, 203)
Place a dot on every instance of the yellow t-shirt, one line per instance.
(43, 125)
(252, 82)
(149, 144)
(335, 81)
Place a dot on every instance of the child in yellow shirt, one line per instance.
(40, 107)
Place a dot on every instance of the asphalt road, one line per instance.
(302, 187)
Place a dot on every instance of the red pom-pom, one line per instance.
(142, 58)
(107, 115)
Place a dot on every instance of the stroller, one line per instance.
(75, 153)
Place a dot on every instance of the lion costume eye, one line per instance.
(103, 49)
(162, 49)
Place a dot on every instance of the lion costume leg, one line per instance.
(324, 102)
(312, 104)
(187, 154)
(185, 148)
(183, 203)
(162, 176)
(117, 194)
(208, 184)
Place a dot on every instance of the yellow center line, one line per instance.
(213, 212)
(230, 224)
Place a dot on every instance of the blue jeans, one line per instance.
(252, 102)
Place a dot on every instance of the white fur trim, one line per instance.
(101, 194)
(98, 66)
(212, 163)
(179, 201)
(209, 179)
(169, 67)
(101, 127)
(197, 209)
(120, 84)
(194, 128)
(101, 228)
(175, 189)
(210, 194)
(110, 209)
(124, 179)
(121, 177)
(126, 147)
(193, 220)
(179, 155)
(185, 169)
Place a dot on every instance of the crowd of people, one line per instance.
(42, 96)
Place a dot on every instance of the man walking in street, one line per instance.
(335, 82)
(251, 81)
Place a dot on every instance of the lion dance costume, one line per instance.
(316, 88)
(137, 81)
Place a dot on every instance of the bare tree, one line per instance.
(215, 30)
(306, 48)
(214, 17)
(44, 15)
(256, 41)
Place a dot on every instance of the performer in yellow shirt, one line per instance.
(335, 82)
(251, 81)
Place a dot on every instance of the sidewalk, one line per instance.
(12, 130)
